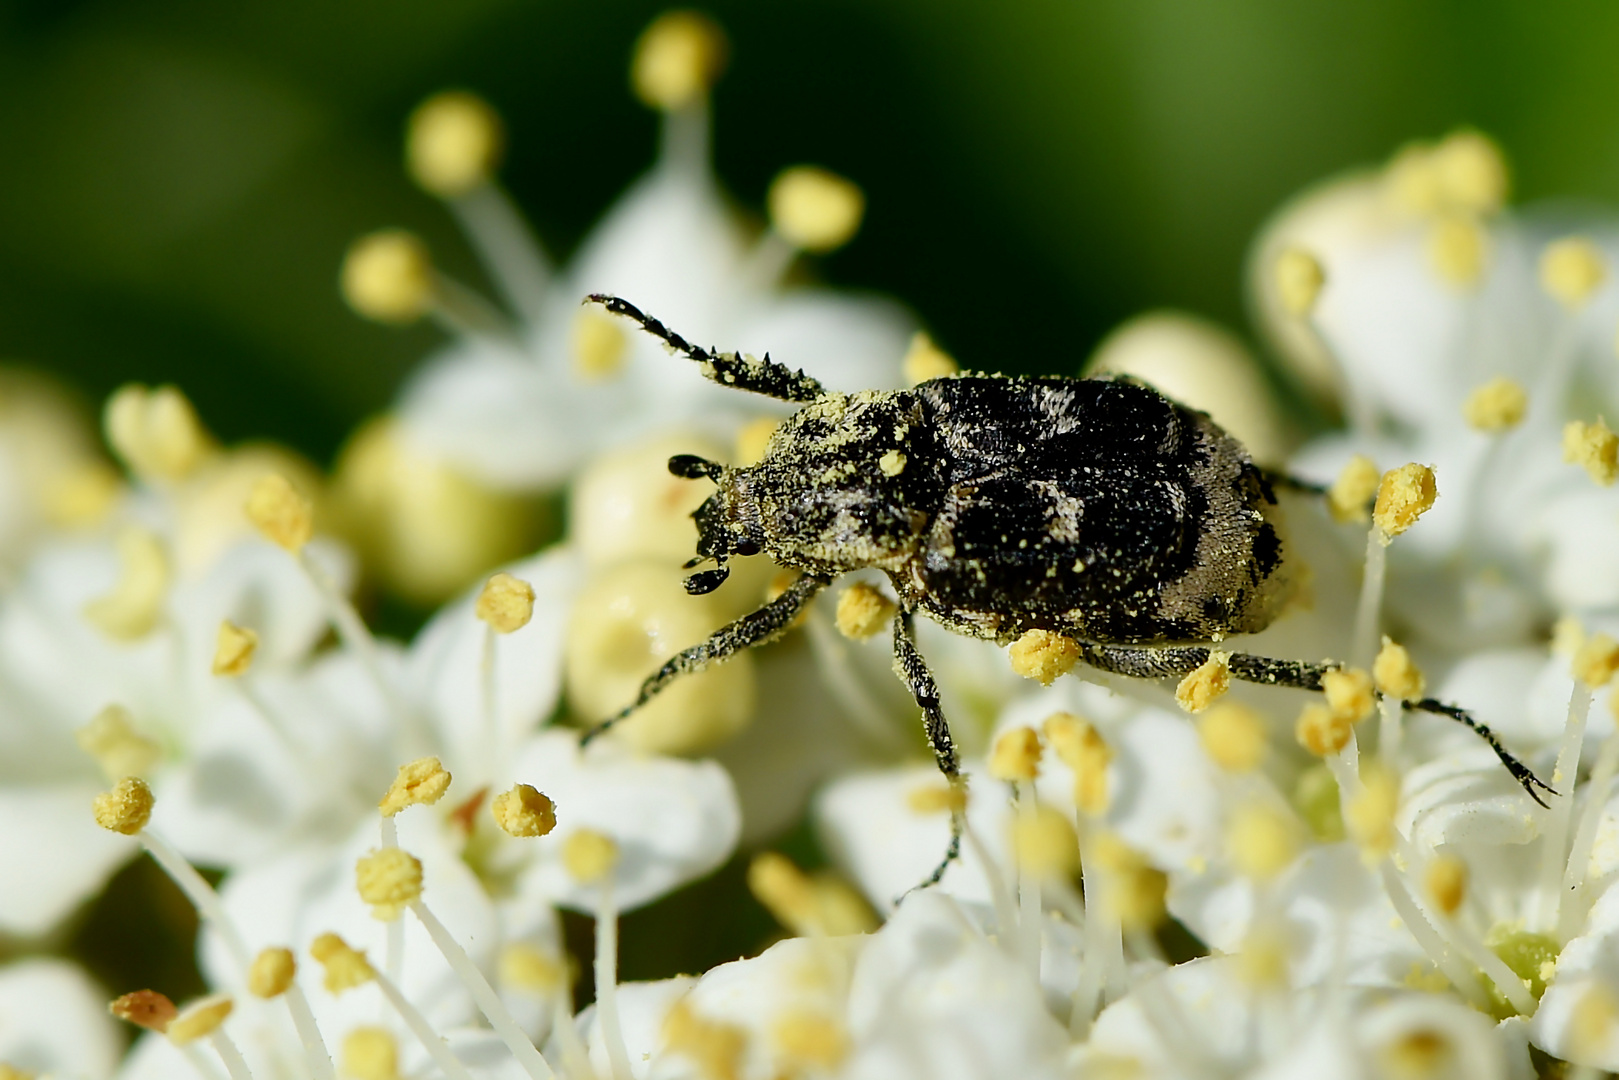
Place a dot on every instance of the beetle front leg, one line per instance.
(913, 672)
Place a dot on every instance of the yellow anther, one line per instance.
(1369, 812)
(811, 1039)
(1349, 694)
(1016, 755)
(924, 361)
(524, 811)
(271, 972)
(9, 1071)
(677, 60)
(1262, 959)
(1413, 179)
(1470, 171)
(589, 856)
(233, 652)
(1403, 495)
(1596, 661)
(1396, 674)
(1567, 636)
(1044, 844)
(1458, 248)
(155, 431)
(863, 611)
(132, 609)
(1315, 797)
(280, 513)
(1445, 880)
(754, 438)
(110, 737)
(1299, 280)
(1261, 841)
(453, 143)
(423, 781)
(1133, 890)
(1350, 496)
(388, 276)
(937, 799)
(805, 904)
(199, 1020)
(126, 808)
(1594, 1022)
(1234, 737)
(1498, 405)
(506, 603)
(1204, 685)
(813, 209)
(1043, 655)
(388, 879)
(144, 1008)
(599, 345)
(345, 966)
(1594, 447)
(715, 1047)
(1081, 747)
(1320, 732)
(526, 967)
(82, 496)
(370, 1053)
(1571, 271)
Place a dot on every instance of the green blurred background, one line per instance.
(180, 177)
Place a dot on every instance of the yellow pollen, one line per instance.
(1369, 813)
(924, 361)
(1470, 171)
(370, 1053)
(715, 1047)
(524, 811)
(589, 856)
(1299, 280)
(892, 463)
(388, 879)
(677, 60)
(423, 781)
(1403, 495)
(388, 277)
(505, 603)
(1261, 841)
(813, 209)
(1081, 747)
(271, 972)
(1395, 673)
(754, 439)
(1571, 270)
(1044, 844)
(811, 1038)
(453, 143)
(1594, 447)
(785, 891)
(111, 739)
(144, 1008)
(599, 345)
(280, 513)
(155, 431)
(1594, 1021)
(135, 604)
(527, 967)
(1418, 1055)
(126, 808)
(1446, 882)
(1203, 686)
(1016, 755)
(233, 652)
(863, 611)
(1413, 179)
(1567, 636)
(1498, 405)
(1349, 694)
(1234, 737)
(1133, 889)
(1262, 959)
(1320, 732)
(1043, 655)
(199, 1020)
(1596, 661)
(1458, 247)
(1350, 496)
(937, 799)
(346, 967)
(83, 496)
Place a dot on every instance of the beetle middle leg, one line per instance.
(913, 672)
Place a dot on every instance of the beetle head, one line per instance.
(721, 532)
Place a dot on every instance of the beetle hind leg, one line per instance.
(913, 672)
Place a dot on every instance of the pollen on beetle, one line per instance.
(1044, 844)
(1234, 737)
(111, 739)
(813, 209)
(754, 438)
(233, 652)
(280, 513)
(925, 361)
(1596, 661)
(388, 277)
(716, 1048)
(524, 811)
(812, 1039)
(1349, 694)
(506, 603)
(1498, 405)
(388, 879)
(1445, 881)
(1205, 684)
(1016, 755)
(155, 431)
(589, 856)
(453, 142)
(144, 1008)
(677, 59)
(527, 967)
(1403, 496)
(370, 1053)
(1081, 747)
(598, 345)
(271, 972)
(1299, 279)
(1571, 270)
(937, 799)
(1261, 841)
(199, 1020)
(1321, 732)
(1594, 447)
(423, 781)
(346, 967)
(1457, 249)
(1369, 813)
(1351, 493)
(134, 605)
(1043, 655)
(863, 611)
(126, 808)
(892, 463)
(1396, 674)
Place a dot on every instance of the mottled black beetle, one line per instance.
(1095, 508)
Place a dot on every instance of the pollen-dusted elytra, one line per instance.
(1095, 508)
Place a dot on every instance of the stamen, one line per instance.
(1571, 271)
(715, 1047)
(1369, 814)
(815, 210)
(677, 60)
(590, 858)
(453, 142)
(925, 361)
(1594, 447)
(1043, 655)
(1081, 747)
(1447, 960)
(1045, 846)
(1470, 172)
(155, 431)
(271, 973)
(1458, 249)
(132, 609)
(506, 603)
(199, 1020)
(111, 739)
(524, 811)
(1261, 841)
(145, 1009)
(347, 968)
(1204, 685)
(126, 808)
(388, 277)
(420, 782)
(1349, 694)
(1445, 881)
(1234, 737)
(370, 1053)
(1574, 904)
(1403, 496)
(233, 654)
(1350, 496)
(388, 879)
(1397, 676)
(809, 906)
(1322, 732)
(1498, 405)
(863, 611)
(1016, 755)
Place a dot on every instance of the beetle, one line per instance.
(1095, 508)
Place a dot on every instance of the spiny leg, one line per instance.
(754, 628)
(728, 369)
(1176, 661)
(913, 672)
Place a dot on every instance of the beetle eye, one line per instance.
(745, 547)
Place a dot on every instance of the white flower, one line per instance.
(53, 1021)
